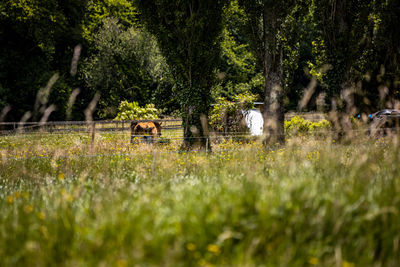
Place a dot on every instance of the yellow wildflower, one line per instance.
(61, 176)
(191, 246)
(204, 263)
(213, 249)
(313, 261)
(28, 208)
(121, 263)
(347, 264)
(41, 216)
(69, 198)
(10, 199)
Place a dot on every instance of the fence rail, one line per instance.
(80, 126)
(107, 125)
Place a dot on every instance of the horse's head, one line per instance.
(149, 129)
(133, 124)
(158, 127)
(141, 128)
(152, 129)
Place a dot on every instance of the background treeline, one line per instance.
(334, 44)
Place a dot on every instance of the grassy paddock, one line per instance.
(314, 202)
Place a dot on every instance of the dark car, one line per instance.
(386, 119)
(386, 113)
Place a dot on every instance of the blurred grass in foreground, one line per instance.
(314, 202)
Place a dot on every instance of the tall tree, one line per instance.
(37, 39)
(266, 21)
(237, 71)
(382, 55)
(343, 27)
(343, 36)
(127, 65)
(98, 11)
(188, 33)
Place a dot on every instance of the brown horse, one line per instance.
(149, 131)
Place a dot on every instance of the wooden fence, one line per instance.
(107, 125)
(79, 126)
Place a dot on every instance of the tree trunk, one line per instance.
(195, 136)
(194, 119)
(272, 61)
(273, 113)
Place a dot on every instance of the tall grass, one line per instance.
(314, 202)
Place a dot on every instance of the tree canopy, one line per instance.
(188, 33)
(184, 55)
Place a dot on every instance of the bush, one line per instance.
(227, 116)
(132, 111)
(298, 125)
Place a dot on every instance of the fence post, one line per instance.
(153, 163)
(93, 134)
(207, 145)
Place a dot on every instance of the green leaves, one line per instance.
(125, 65)
(300, 126)
(188, 34)
(237, 60)
(226, 116)
(100, 10)
(132, 111)
(39, 37)
(339, 44)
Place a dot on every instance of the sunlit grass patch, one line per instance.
(312, 202)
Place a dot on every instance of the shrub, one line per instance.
(298, 125)
(227, 116)
(132, 111)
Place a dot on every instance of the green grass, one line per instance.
(314, 202)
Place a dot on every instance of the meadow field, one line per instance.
(313, 202)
